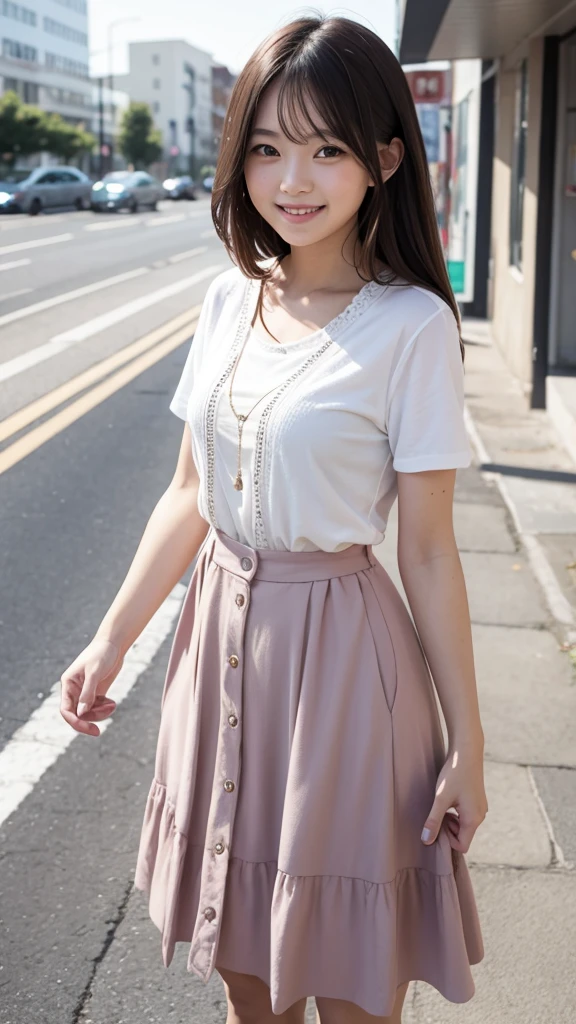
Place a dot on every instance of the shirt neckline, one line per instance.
(348, 315)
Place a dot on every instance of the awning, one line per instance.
(455, 29)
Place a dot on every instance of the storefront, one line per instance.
(526, 173)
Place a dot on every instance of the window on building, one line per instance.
(18, 12)
(156, 83)
(56, 28)
(74, 5)
(519, 166)
(19, 51)
(155, 58)
(28, 91)
(70, 67)
(156, 107)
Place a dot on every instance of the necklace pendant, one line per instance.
(238, 485)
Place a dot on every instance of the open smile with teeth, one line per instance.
(300, 212)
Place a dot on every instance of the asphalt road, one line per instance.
(72, 510)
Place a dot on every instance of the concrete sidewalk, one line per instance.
(515, 520)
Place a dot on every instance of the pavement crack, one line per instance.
(79, 1011)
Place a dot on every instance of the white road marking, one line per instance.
(16, 221)
(14, 295)
(13, 264)
(38, 744)
(159, 222)
(77, 293)
(101, 323)
(111, 225)
(208, 234)
(35, 243)
(87, 330)
(204, 212)
(179, 256)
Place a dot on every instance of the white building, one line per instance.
(175, 79)
(44, 55)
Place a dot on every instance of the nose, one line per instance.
(294, 179)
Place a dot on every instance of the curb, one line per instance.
(558, 605)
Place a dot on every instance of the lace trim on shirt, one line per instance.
(353, 310)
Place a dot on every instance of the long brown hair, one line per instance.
(343, 73)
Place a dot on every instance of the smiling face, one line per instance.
(307, 191)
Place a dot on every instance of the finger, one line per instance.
(88, 692)
(86, 728)
(102, 708)
(433, 822)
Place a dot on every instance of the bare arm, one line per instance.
(432, 575)
(172, 537)
(173, 534)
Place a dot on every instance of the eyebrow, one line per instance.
(276, 135)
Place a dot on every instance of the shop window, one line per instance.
(518, 184)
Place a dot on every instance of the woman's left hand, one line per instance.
(460, 786)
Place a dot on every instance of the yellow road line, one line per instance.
(34, 439)
(24, 417)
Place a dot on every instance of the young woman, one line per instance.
(306, 827)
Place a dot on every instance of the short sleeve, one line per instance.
(425, 406)
(179, 403)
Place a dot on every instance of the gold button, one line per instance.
(229, 786)
(209, 913)
(233, 721)
(219, 848)
(240, 600)
(233, 661)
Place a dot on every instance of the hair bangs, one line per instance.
(307, 108)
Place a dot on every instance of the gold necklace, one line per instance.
(241, 419)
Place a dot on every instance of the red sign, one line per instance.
(429, 86)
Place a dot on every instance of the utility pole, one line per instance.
(101, 127)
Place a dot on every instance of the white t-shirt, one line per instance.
(380, 389)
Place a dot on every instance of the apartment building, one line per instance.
(175, 79)
(44, 55)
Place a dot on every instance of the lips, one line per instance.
(299, 214)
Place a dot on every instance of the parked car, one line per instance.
(33, 191)
(180, 188)
(208, 183)
(126, 190)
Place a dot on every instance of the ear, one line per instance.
(390, 155)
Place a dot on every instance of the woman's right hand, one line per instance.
(85, 684)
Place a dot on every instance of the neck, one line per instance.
(325, 265)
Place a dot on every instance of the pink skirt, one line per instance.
(297, 760)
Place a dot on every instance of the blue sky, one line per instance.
(229, 29)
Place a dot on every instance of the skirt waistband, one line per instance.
(286, 566)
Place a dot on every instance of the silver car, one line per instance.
(45, 187)
(126, 190)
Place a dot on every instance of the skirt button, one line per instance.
(219, 848)
(209, 913)
(233, 721)
(229, 786)
(246, 564)
(240, 600)
(233, 661)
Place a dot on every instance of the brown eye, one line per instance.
(265, 150)
(330, 152)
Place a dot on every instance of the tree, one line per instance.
(66, 140)
(21, 128)
(140, 142)
(26, 130)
